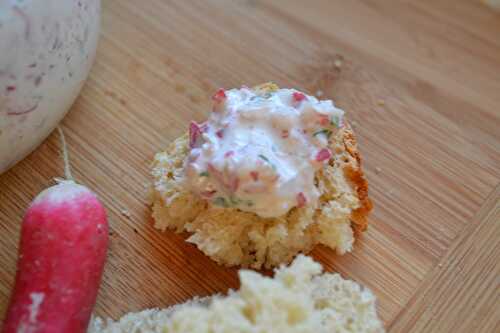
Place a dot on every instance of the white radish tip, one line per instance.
(65, 190)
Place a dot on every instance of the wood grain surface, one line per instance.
(420, 81)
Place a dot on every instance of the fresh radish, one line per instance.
(64, 240)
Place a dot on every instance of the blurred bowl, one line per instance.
(46, 52)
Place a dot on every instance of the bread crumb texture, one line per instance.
(233, 237)
(297, 299)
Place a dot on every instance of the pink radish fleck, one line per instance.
(254, 175)
(229, 153)
(285, 134)
(235, 183)
(220, 133)
(208, 194)
(194, 135)
(298, 96)
(219, 96)
(323, 120)
(301, 200)
(216, 173)
(323, 155)
(22, 112)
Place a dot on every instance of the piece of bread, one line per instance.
(297, 299)
(233, 237)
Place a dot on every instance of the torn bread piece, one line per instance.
(298, 299)
(237, 227)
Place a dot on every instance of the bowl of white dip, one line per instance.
(46, 50)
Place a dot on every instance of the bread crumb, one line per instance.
(337, 63)
(378, 170)
(126, 213)
(381, 102)
(354, 124)
(319, 93)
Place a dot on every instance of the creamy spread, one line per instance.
(259, 150)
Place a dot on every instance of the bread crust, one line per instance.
(354, 172)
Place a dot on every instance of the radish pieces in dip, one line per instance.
(259, 149)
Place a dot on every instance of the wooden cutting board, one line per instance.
(420, 82)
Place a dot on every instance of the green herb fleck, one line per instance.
(234, 201)
(220, 201)
(262, 157)
(325, 132)
(261, 97)
(204, 174)
(335, 120)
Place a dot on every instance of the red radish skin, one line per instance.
(64, 241)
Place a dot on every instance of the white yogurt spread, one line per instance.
(259, 151)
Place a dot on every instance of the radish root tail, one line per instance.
(67, 168)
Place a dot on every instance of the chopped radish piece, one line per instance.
(219, 96)
(301, 200)
(195, 132)
(298, 96)
(229, 153)
(215, 173)
(323, 155)
(254, 175)
(235, 183)
(324, 120)
(220, 134)
(208, 194)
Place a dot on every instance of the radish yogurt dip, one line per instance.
(46, 51)
(259, 150)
